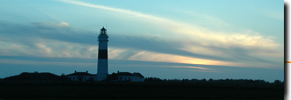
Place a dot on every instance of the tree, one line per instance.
(203, 80)
(194, 80)
(277, 82)
(165, 80)
(113, 76)
(183, 81)
(63, 77)
(210, 80)
(153, 79)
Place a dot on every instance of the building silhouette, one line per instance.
(82, 76)
(126, 76)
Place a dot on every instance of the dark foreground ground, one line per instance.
(129, 90)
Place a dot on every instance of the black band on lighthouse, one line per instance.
(102, 54)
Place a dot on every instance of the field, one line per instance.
(130, 90)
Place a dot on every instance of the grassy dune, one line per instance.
(131, 90)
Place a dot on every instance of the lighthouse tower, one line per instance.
(102, 70)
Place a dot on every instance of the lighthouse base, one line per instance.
(101, 76)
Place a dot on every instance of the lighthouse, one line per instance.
(102, 69)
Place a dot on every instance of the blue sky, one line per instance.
(219, 39)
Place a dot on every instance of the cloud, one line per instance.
(153, 35)
(64, 24)
(87, 62)
(29, 62)
(279, 15)
(113, 9)
(166, 70)
(74, 42)
(51, 24)
(244, 38)
(187, 42)
(161, 57)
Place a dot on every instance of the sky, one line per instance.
(168, 39)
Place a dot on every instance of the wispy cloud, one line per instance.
(171, 44)
(161, 57)
(113, 9)
(245, 39)
(279, 15)
(31, 62)
(190, 43)
(52, 24)
(70, 42)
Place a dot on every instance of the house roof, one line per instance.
(117, 74)
(81, 74)
(129, 74)
(124, 74)
(138, 74)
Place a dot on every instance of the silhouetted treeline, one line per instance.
(37, 76)
(155, 79)
(50, 76)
